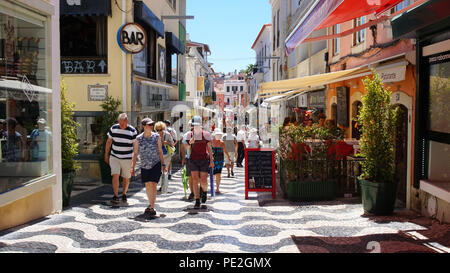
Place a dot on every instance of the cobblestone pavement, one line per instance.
(231, 224)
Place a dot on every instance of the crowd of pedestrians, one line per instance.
(202, 153)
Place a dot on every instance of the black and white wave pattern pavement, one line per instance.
(233, 224)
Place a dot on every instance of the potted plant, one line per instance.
(109, 117)
(378, 118)
(69, 145)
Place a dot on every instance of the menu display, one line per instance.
(259, 170)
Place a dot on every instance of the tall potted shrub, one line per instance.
(69, 145)
(109, 116)
(378, 118)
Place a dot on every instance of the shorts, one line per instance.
(118, 165)
(199, 165)
(232, 157)
(151, 175)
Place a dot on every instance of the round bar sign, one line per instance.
(132, 38)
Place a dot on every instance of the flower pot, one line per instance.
(378, 198)
(311, 190)
(67, 184)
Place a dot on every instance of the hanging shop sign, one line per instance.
(303, 100)
(97, 92)
(132, 38)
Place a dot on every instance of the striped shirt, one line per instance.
(123, 139)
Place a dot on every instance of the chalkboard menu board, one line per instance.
(342, 106)
(260, 170)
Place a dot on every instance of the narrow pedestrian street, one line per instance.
(231, 225)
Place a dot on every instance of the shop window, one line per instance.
(145, 61)
(25, 101)
(89, 135)
(437, 136)
(83, 41)
(439, 111)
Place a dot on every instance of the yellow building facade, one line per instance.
(147, 83)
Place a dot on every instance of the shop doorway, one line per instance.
(401, 156)
(356, 129)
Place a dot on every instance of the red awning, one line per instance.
(351, 9)
(325, 13)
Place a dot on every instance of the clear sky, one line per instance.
(229, 28)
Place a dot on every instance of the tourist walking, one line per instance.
(149, 148)
(167, 143)
(231, 145)
(120, 141)
(241, 139)
(185, 153)
(172, 149)
(253, 139)
(219, 150)
(200, 160)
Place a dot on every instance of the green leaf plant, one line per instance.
(378, 118)
(69, 139)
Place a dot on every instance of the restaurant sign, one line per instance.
(393, 74)
(132, 38)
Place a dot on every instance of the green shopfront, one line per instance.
(429, 24)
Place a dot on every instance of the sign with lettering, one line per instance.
(260, 170)
(132, 38)
(84, 66)
(97, 92)
(393, 74)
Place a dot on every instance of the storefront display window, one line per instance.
(84, 44)
(25, 100)
(439, 113)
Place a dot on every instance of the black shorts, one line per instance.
(151, 175)
(199, 165)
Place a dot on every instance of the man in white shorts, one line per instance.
(120, 141)
(231, 145)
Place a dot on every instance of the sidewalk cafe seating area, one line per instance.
(317, 164)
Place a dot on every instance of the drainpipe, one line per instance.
(124, 68)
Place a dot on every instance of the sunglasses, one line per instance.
(159, 130)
